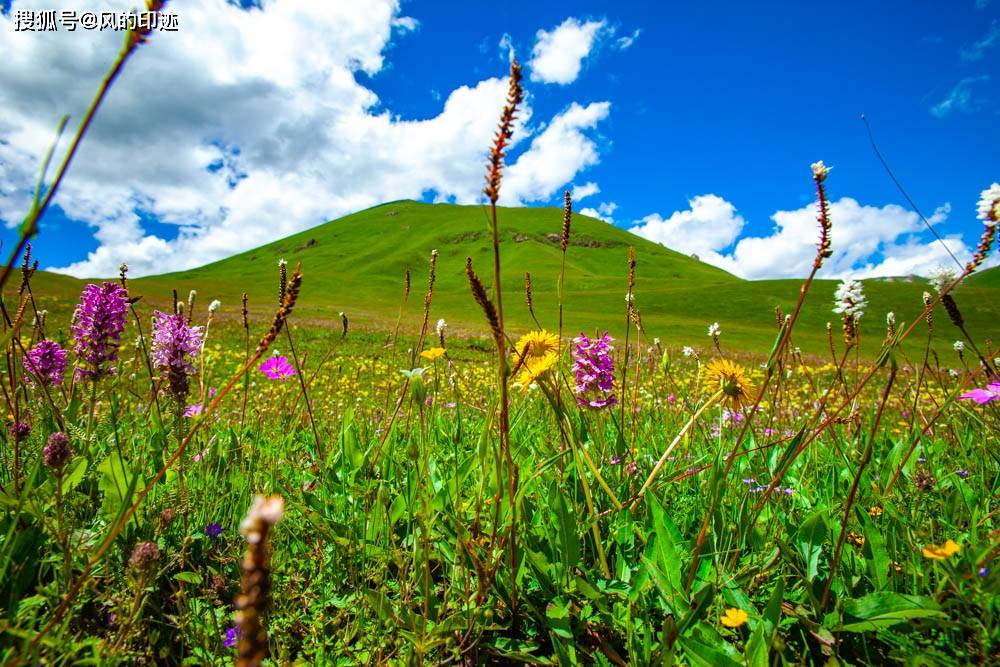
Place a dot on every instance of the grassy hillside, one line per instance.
(356, 264)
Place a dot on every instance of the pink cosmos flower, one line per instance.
(982, 396)
(277, 368)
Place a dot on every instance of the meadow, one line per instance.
(479, 473)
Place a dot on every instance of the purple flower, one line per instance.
(20, 430)
(594, 371)
(98, 322)
(671, 398)
(213, 529)
(193, 410)
(175, 345)
(983, 571)
(277, 368)
(46, 361)
(57, 451)
(232, 633)
(983, 396)
(962, 473)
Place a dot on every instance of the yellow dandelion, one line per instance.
(730, 378)
(734, 618)
(537, 344)
(535, 367)
(946, 550)
(433, 354)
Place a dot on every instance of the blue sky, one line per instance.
(695, 123)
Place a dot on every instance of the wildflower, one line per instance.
(277, 368)
(534, 368)
(714, 330)
(875, 511)
(193, 410)
(20, 430)
(214, 306)
(232, 633)
(734, 618)
(982, 396)
(924, 480)
(730, 378)
(820, 170)
(144, 556)
(687, 351)
(962, 473)
(941, 278)
(857, 539)
(441, 326)
(175, 344)
(213, 529)
(946, 550)
(46, 362)
(850, 299)
(958, 346)
(629, 297)
(537, 344)
(988, 208)
(594, 371)
(98, 322)
(433, 354)
(57, 452)
(983, 571)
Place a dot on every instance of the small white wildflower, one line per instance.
(282, 262)
(714, 330)
(989, 205)
(656, 341)
(850, 299)
(629, 297)
(890, 319)
(820, 170)
(214, 306)
(959, 346)
(953, 372)
(687, 351)
(441, 326)
(996, 361)
(941, 277)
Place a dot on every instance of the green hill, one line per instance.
(356, 265)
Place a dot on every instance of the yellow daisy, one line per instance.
(730, 378)
(537, 344)
(535, 367)
(946, 550)
(734, 618)
(433, 354)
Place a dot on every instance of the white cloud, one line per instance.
(960, 97)
(605, 211)
(868, 241)
(557, 56)
(585, 190)
(291, 136)
(979, 48)
(405, 23)
(626, 41)
(555, 156)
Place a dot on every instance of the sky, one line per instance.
(691, 124)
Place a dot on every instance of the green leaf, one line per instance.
(881, 610)
(189, 578)
(75, 476)
(809, 539)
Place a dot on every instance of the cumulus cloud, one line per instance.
(960, 97)
(868, 241)
(585, 190)
(240, 136)
(558, 55)
(556, 155)
(605, 211)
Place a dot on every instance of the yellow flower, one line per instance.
(946, 550)
(537, 344)
(433, 354)
(730, 378)
(734, 618)
(535, 367)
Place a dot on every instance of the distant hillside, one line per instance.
(356, 264)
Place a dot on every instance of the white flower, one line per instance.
(941, 277)
(989, 205)
(214, 306)
(959, 346)
(890, 319)
(714, 330)
(629, 297)
(656, 341)
(441, 326)
(282, 262)
(953, 372)
(687, 351)
(820, 170)
(850, 299)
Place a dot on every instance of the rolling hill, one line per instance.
(356, 265)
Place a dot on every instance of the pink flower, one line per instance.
(277, 368)
(982, 396)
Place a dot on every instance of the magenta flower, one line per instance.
(983, 396)
(594, 371)
(193, 410)
(175, 344)
(98, 322)
(46, 362)
(277, 368)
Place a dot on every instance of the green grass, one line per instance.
(356, 265)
